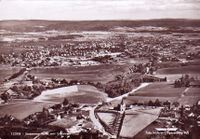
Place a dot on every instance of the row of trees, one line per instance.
(103, 59)
(158, 103)
(15, 75)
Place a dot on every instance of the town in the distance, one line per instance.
(100, 79)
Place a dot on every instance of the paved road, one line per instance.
(95, 120)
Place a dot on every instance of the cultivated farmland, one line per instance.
(135, 121)
(76, 94)
(159, 90)
(98, 73)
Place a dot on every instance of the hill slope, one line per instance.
(42, 25)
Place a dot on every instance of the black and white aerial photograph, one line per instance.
(99, 69)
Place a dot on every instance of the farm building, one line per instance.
(147, 78)
(1, 101)
(12, 93)
(195, 83)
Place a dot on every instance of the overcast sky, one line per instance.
(98, 9)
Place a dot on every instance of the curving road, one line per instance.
(95, 120)
(131, 92)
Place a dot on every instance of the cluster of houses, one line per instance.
(151, 47)
(60, 54)
(187, 81)
(30, 88)
(162, 49)
(193, 55)
(64, 120)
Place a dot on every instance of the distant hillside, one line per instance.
(42, 25)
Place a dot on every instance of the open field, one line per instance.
(137, 120)
(191, 69)
(165, 92)
(159, 90)
(150, 128)
(98, 73)
(88, 94)
(6, 71)
(175, 72)
(193, 91)
(56, 94)
(77, 94)
(189, 100)
(190, 97)
(21, 109)
(107, 118)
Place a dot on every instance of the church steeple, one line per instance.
(122, 105)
